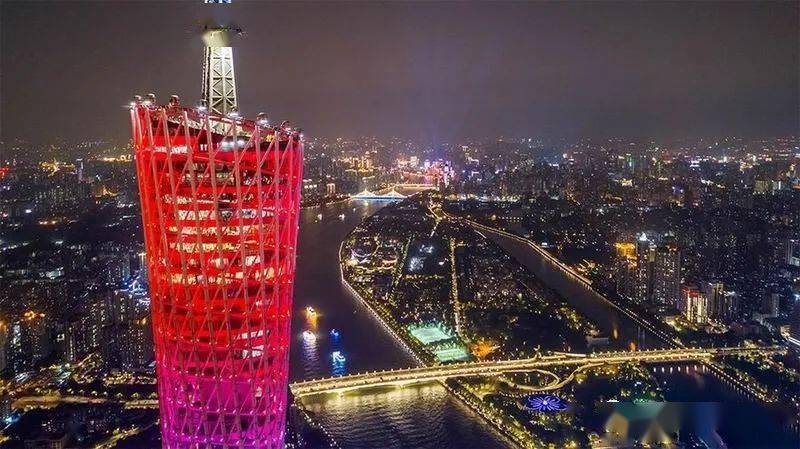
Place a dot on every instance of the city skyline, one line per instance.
(424, 71)
(228, 279)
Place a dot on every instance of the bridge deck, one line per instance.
(496, 367)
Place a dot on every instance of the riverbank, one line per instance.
(426, 358)
(410, 418)
(585, 293)
(456, 391)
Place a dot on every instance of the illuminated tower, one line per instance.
(219, 82)
(220, 198)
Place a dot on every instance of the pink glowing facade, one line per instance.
(220, 199)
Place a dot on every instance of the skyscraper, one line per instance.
(721, 304)
(693, 305)
(220, 198)
(666, 274)
(644, 259)
(626, 269)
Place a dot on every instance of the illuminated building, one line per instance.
(770, 304)
(625, 272)
(66, 341)
(793, 252)
(220, 220)
(693, 305)
(794, 325)
(666, 274)
(729, 309)
(220, 199)
(761, 186)
(136, 344)
(722, 305)
(4, 341)
(88, 332)
(30, 340)
(654, 270)
(644, 259)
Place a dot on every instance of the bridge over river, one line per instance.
(406, 376)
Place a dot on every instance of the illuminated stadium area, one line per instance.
(453, 352)
(430, 332)
(440, 340)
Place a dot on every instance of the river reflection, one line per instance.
(741, 422)
(422, 416)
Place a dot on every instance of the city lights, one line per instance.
(507, 224)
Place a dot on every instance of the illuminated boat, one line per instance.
(309, 336)
(338, 357)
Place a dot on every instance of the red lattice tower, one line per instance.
(220, 200)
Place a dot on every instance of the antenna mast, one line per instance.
(219, 82)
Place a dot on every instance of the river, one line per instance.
(620, 329)
(424, 416)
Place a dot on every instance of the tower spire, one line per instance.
(219, 81)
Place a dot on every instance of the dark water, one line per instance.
(739, 422)
(586, 301)
(425, 416)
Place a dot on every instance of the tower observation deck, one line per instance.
(220, 198)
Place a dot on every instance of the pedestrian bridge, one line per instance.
(407, 376)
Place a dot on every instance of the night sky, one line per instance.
(432, 71)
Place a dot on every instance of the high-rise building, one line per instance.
(625, 272)
(655, 271)
(666, 274)
(794, 325)
(5, 339)
(66, 341)
(644, 259)
(693, 305)
(771, 304)
(136, 344)
(30, 340)
(220, 199)
(720, 306)
(793, 252)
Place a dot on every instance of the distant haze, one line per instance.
(435, 71)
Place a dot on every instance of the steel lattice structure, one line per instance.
(219, 81)
(220, 213)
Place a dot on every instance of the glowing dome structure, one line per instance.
(545, 403)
